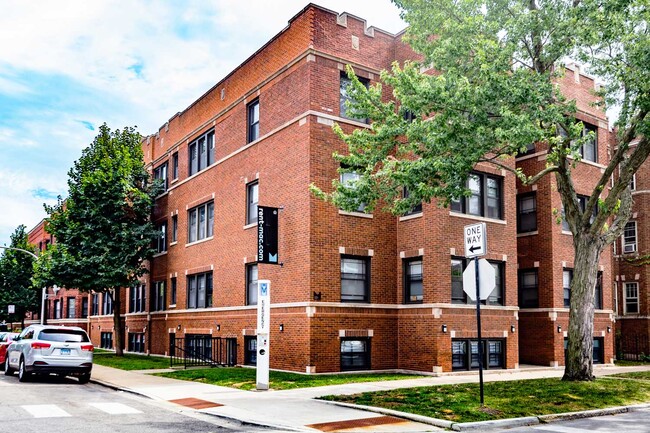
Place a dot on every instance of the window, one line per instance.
(201, 153)
(106, 340)
(57, 309)
(344, 96)
(95, 306)
(252, 199)
(598, 292)
(631, 298)
(528, 288)
(355, 354)
(137, 298)
(251, 284)
(567, 277)
(136, 342)
(253, 121)
(633, 182)
(201, 220)
(413, 280)
(175, 228)
(160, 173)
(250, 350)
(161, 239)
(464, 354)
(355, 279)
(458, 295)
(348, 180)
(84, 307)
(198, 346)
(526, 213)
(71, 312)
(158, 296)
(107, 306)
(485, 199)
(629, 238)
(416, 209)
(173, 291)
(199, 290)
(598, 353)
(582, 204)
(589, 150)
(175, 165)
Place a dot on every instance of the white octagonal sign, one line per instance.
(487, 280)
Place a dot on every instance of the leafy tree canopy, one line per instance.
(16, 270)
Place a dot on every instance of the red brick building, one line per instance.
(355, 290)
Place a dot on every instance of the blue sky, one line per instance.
(67, 66)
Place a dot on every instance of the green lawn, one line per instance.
(460, 403)
(129, 361)
(244, 378)
(643, 375)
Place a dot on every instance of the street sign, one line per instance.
(267, 235)
(11, 309)
(475, 240)
(263, 330)
(487, 280)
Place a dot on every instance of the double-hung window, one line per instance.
(251, 284)
(631, 298)
(582, 204)
(252, 199)
(201, 153)
(348, 179)
(161, 240)
(175, 165)
(253, 121)
(95, 305)
(415, 209)
(458, 295)
(175, 228)
(629, 238)
(199, 290)
(84, 307)
(344, 97)
(71, 312)
(137, 298)
(526, 213)
(201, 222)
(158, 296)
(589, 150)
(485, 198)
(528, 288)
(567, 277)
(413, 288)
(107, 305)
(355, 279)
(160, 173)
(173, 291)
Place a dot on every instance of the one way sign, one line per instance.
(475, 240)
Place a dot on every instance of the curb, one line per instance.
(498, 423)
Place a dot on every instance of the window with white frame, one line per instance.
(252, 200)
(201, 222)
(629, 238)
(251, 284)
(199, 290)
(631, 298)
(201, 153)
(355, 279)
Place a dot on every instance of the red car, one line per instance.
(5, 340)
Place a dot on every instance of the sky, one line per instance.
(67, 66)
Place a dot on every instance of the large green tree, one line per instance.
(16, 271)
(103, 229)
(493, 92)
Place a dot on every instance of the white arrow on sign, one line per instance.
(487, 280)
(475, 240)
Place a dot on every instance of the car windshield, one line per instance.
(63, 335)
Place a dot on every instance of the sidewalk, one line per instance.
(296, 409)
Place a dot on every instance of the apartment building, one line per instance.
(353, 290)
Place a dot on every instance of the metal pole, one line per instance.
(478, 324)
(43, 297)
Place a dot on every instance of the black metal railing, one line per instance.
(202, 350)
(633, 347)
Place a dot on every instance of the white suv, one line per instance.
(44, 349)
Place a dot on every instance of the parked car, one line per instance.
(45, 349)
(5, 339)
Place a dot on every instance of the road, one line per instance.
(51, 405)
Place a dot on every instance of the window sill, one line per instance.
(173, 243)
(173, 181)
(250, 226)
(523, 235)
(564, 232)
(477, 218)
(162, 253)
(356, 214)
(172, 306)
(410, 217)
(199, 242)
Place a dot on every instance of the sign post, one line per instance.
(263, 330)
(475, 246)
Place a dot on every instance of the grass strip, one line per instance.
(511, 399)
(245, 378)
(130, 361)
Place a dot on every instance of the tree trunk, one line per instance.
(579, 360)
(117, 323)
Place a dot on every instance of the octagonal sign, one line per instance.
(487, 280)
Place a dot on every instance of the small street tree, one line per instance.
(16, 271)
(103, 229)
(492, 91)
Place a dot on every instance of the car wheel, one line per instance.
(23, 376)
(8, 370)
(84, 378)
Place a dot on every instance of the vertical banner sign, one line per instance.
(263, 331)
(267, 235)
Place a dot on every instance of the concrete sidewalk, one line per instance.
(297, 410)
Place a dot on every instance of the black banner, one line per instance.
(267, 235)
